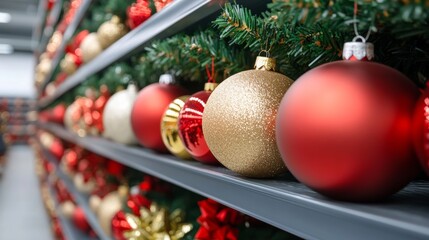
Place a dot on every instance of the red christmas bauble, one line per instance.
(79, 219)
(344, 130)
(57, 149)
(421, 129)
(146, 115)
(57, 114)
(138, 13)
(191, 128)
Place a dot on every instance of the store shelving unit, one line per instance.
(69, 230)
(175, 17)
(52, 19)
(68, 34)
(80, 198)
(284, 203)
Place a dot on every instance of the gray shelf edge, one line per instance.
(68, 34)
(309, 218)
(38, 30)
(174, 14)
(70, 231)
(81, 199)
(55, 15)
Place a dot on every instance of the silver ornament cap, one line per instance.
(167, 79)
(358, 50)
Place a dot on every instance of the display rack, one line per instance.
(175, 17)
(68, 34)
(69, 230)
(53, 18)
(81, 199)
(283, 202)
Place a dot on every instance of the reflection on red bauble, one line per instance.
(146, 115)
(344, 130)
(191, 128)
(421, 129)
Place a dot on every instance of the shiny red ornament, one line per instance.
(57, 114)
(79, 219)
(146, 115)
(138, 13)
(120, 225)
(57, 149)
(114, 168)
(98, 108)
(344, 130)
(191, 128)
(421, 129)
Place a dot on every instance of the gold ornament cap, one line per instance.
(265, 63)
(167, 79)
(355, 50)
(210, 86)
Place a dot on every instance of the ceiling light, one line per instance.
(6, 49)
(5, 17)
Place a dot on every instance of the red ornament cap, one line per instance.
(361, 51)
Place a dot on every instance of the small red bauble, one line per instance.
(191, 126)
(57, 114)
(79, 219)
(344, 130)
(421, 129)
(138, 13)
(148, 109)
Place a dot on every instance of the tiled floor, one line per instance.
(22, 215)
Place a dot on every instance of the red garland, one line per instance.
(138, 13)
(217, 221)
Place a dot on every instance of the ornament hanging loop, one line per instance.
(355, 23)
(211, 82)
(359, 37)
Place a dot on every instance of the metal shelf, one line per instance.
(172, 19)
(70, 231)
(283, 202)
(80, 198)
(48, 30)
(68, 34)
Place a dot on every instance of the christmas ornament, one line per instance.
(99, 105)
(110, 31)
(57, 148)
(70, 63)
(217, 221)
(155, 223)
(67, 209)
(94, 203)
(421, 129)
(344, 128)
(239, 119)
(169, 128)
(116, 116)
(83, 185)
(79, 219)
(138, 13)
(150, 105)
(109, 206)
(191, 125)
(90, 47)
(57, 113)
(160, 4)
(68, 116)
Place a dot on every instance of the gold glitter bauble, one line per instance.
(90, 47)
(110, 31)
(239, 122)
(68, 64)
(170, 128)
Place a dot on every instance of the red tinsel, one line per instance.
(160, 4)
(120, 225)
(217, 221)
(138, 13)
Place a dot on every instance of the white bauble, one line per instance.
(117, 116)
(90, 47)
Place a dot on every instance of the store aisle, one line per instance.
(22, 215)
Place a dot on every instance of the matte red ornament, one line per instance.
(344, 130)
(146, 115)
(191, 127)
(57, 114)
(138, 13)
(421, 129)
